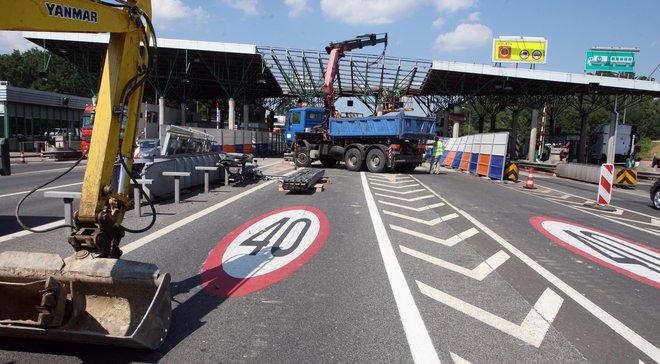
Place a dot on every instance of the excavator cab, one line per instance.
(92, 296)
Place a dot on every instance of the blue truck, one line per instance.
(375, 143)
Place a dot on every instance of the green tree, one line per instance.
(22, 70)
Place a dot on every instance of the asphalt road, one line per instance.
(385, 268)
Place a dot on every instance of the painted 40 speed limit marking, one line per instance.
(630, 258)
(264, 251)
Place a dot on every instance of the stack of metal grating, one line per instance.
(302, 180)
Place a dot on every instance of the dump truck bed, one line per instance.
(393, 125)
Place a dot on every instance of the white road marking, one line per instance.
(425, 222)
(42, 189)
(594, 200)
(419, 341)
(446, 242)
(48, 170)
(166, 230)
(389, 180)
(390, 186)
(617, 326)
(479, 272)
(398, 192)
(457, 359)
(533, 328)
(406, 199)
(416, 209)
(564, 197)
(26, 232)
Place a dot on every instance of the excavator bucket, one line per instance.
(83, 299)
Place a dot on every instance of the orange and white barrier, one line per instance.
(480, 154)
(22, 160)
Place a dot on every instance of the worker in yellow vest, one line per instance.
(436, 154)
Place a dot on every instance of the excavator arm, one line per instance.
(92, 296)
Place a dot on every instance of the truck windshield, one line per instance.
(87, 120)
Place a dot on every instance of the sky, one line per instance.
(445, 30)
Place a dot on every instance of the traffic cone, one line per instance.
(41, 154)
(530, 180)
(22, 160)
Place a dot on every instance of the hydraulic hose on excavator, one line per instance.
(92, 296)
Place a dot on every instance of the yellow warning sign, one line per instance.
(626, 177)
(520, 50)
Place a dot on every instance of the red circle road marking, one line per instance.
(264, 251)
(627, 257)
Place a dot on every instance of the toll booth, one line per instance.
(29, 118)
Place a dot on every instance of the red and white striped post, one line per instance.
(605, 185)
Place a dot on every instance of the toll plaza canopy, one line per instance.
(211, 70)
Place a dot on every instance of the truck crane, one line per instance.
(336, 52)
(92, 296)
(376, 143)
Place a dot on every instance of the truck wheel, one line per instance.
(353, 160)
(301, 157)
(376, 160)
(328, 162)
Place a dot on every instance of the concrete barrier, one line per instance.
(581, 172)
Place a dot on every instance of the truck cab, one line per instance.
(302, 119)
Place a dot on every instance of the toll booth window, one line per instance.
(295, 118)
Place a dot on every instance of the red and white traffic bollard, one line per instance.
(604, 189)
(41, 154)
(22, 160)
(605, 185)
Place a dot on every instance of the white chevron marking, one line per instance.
(426, 222)
(447, 242)
(398, 192)
(533, 328)
(390, 186)
(405, 199)
(416, 209)
(479, 272)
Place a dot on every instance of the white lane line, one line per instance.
(416, 209)
(446, 242)
(533, 328)
(166, 230)
(619, 327)
(405, 199)
(48, 170)
(419, 341)
(22, 233)
(483, 270)
(594, 199)
(421, 221)
(43, 189)
(398, 192)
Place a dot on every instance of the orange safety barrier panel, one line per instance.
(484, 161)
(450, 158)
(465, 161)
(228, 148)
(247, 148)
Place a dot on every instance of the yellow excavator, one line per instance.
(92, 296)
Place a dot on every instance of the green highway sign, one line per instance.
(614, 61)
